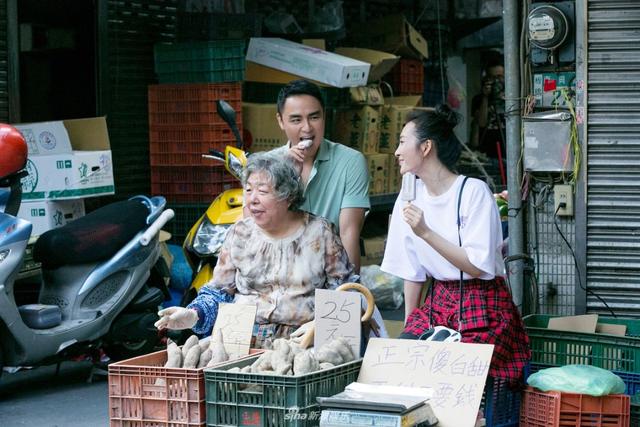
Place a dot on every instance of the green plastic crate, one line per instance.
(240, 399)
(200, 62)
(558, 348)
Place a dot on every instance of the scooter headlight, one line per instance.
(235, 165)
(209, 238)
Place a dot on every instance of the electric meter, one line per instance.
(548, 27)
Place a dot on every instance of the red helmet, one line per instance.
(13, 150)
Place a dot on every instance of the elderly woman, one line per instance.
(275, 258)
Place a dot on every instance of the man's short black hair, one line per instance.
(299, 87)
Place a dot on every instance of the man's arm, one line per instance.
(351, 221)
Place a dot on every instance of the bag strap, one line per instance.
(464, 181)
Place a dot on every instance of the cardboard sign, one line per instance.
(585, 323)
(455, 372)
(337, 314)
(236, 322)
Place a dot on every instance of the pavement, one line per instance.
(39, 397)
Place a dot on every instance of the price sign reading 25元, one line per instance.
(337, 314)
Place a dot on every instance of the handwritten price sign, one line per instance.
(456, 373)
(338, 315)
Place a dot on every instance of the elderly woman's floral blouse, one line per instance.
(280, 276)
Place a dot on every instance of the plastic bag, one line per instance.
(582, 379)
(180, 269)
(387, 290)
(329, 17)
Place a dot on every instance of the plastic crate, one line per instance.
(169, 146)
(554, 408)
(240, 399)
(144, 393)
(182, 106)
(631, 381)
(202, 25)
(557, 348)
(407, 77)
(500, 404)
(199, 62)
(169, 174)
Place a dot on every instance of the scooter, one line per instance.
(203, 242)
(94, 292)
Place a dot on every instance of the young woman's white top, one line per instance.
(411, 258)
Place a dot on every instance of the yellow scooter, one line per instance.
(204, 240)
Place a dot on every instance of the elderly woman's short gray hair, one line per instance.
(286, 182)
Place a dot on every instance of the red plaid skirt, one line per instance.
(489, 316)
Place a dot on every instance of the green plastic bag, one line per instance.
(583, 379)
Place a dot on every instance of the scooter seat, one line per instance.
(93, 237)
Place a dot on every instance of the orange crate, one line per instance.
(407, 77)
(175, 146)
(182, 192)
(192, 104)
(169, 174)
(557, 409)
(208, 92)
(142, 393)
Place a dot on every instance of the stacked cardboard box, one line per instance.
(68, 161)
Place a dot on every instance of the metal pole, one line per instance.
(512, 113)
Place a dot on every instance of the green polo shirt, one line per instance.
(339, 179)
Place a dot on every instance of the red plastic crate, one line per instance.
(143, 393)
(210, 174)
(175, 146)
(192, 104)
(193, 92)
(557, 409)
(407, 77)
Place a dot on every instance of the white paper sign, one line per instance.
(236, 322)
(455, 372)
(338, 314)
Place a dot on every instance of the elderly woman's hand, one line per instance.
(414, 217)
(177, 318)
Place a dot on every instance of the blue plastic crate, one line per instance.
(500, 404)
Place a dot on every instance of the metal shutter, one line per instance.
(613, 156)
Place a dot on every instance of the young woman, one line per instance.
(451, 232)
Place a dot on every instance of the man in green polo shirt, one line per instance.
(336, 177)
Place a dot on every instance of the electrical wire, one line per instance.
(575, 261)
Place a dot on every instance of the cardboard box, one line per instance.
(259, 73)
(259, 120)
(309, 62)
(410, 100)
(381, 62)
(392, 120)
(378, 173)
(82, 171)
(366, 95)
(358, 128)
(373, 250)
(45, 138)
(395, 180)
(548, 88)
(393, 34)
(45, 215)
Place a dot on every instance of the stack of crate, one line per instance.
(407, 77)
(184, 123)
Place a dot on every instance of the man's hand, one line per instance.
(297, 154)
(177, 318)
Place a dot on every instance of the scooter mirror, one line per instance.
(228, 114)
